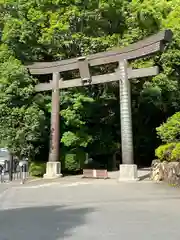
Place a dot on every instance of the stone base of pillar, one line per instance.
(128, 172)
(53, 170)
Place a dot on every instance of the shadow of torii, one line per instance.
(46, 223)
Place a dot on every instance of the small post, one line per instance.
(1, 173)
(128, 171)
(53, 167)
(11, 168)
(23, 164)
(23, 174)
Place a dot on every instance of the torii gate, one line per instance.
(143, 48)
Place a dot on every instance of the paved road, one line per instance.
(106, 210)
(3, 187)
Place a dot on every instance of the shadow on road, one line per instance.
(41, 223)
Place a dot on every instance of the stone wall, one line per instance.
(165, 171)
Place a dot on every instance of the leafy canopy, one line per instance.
(50, 30)
(21, 120)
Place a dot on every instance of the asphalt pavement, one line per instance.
(90, 209)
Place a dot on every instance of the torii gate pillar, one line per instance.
(128, 170)
(53, 166)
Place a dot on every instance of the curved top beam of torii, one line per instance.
(142, 48)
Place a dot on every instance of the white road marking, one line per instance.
(52, 184)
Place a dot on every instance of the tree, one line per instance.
(75, 134)
(169, 133)
(21, 119)
(53, 30)
(157, 98)
(170, 130)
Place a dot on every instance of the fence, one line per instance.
(13, 170)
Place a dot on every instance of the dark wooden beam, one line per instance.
(140, 49)
(105, 78)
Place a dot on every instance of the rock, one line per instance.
(166, 171)
(164, 166)
(156, 171)
(155, 163)
(172, 173)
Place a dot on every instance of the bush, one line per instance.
(164, 152)
(170, 130)
(37, 169)
(168, 152)
(71, 163)
(175, 155)
(74, 161)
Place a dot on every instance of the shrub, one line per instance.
(37, 169)
(170, 130)
(71, 163)
(175, 155)
(164, 152)
(74, 161)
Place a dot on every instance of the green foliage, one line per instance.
(71, 162)
(37, 169)
(57, 28)
(71, 139)
(73, 117)
(50, 30)
(168, 152)
(74, 161)
(21, 119)
(164, 152)
(170, 130)
(175, 155)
